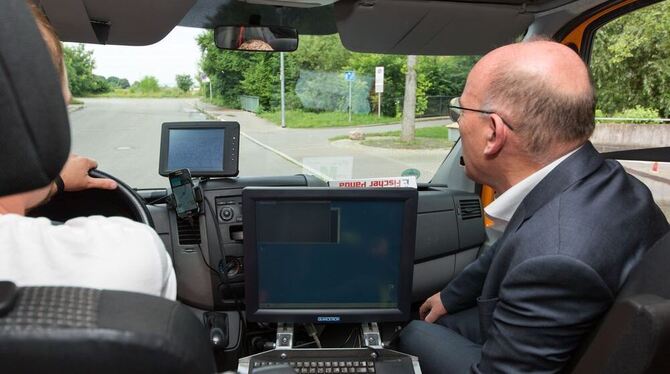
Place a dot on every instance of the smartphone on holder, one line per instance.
(183, 193)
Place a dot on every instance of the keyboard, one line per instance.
(322, 366)
(335, 361)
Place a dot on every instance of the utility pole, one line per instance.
(281, 78)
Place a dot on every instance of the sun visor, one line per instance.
(428, 27)
(34, 128)
(121, 22)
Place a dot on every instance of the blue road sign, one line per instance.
(349, 76)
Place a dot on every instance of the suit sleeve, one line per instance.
(546, 306)
(462, 292)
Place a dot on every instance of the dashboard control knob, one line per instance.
(226, 214)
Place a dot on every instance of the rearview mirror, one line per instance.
(256, 38)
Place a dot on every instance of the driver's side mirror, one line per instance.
(256, 38)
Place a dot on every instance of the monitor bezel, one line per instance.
(252, 195)
(231, 147)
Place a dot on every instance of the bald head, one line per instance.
(542, 88)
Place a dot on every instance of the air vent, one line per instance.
(470, 209)
(189, 231)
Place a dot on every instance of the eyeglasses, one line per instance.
(456, 110)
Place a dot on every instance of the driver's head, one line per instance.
(541, 105)
(22, 201)
(55, 48)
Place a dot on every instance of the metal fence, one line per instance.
(250, 103)
(438, 106)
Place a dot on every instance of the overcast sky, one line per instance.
(177, 53)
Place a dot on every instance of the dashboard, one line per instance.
(450, 231)
(449, 222)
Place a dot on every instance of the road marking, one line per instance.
(283, 155)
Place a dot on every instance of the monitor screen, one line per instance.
(206, 149)
(328, 254)
(196, 149)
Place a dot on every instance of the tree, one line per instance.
(79, 64)
(99, 85)
(630, 61)
(116, 82)
(447, 75)
(409, 107)
(314, 76)
(184, 82)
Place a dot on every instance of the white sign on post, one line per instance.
(379, 79)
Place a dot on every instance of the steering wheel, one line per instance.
(122, 201)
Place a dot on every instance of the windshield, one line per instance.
(343, 114)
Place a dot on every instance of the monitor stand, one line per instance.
(284, 336)
(371, 339)
(371, 336)
(370, 330)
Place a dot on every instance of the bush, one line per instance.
(637, 115)
(148, 84)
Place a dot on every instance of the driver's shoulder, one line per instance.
(93, 230)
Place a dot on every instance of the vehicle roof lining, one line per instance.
(380, 26)
(212, 13)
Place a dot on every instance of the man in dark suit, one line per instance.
(573, 224)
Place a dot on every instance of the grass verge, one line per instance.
(299, 119)
(426, 138)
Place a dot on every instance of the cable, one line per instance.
(205, 261)
(223, 265)
(395, 334)
(311, 331)
(158, 200)
(349, 337)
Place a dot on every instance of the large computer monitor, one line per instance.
(328, 255)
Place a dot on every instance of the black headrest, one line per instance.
(650, 275)
(80, 330)
(34, 128)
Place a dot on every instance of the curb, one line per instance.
(75, 108)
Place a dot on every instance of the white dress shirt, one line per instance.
(501, 210)
(112, 253)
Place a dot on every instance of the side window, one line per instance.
(630, 61)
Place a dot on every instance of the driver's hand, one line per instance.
(432, 309)
(75, 175)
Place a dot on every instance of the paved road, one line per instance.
(124, 136)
